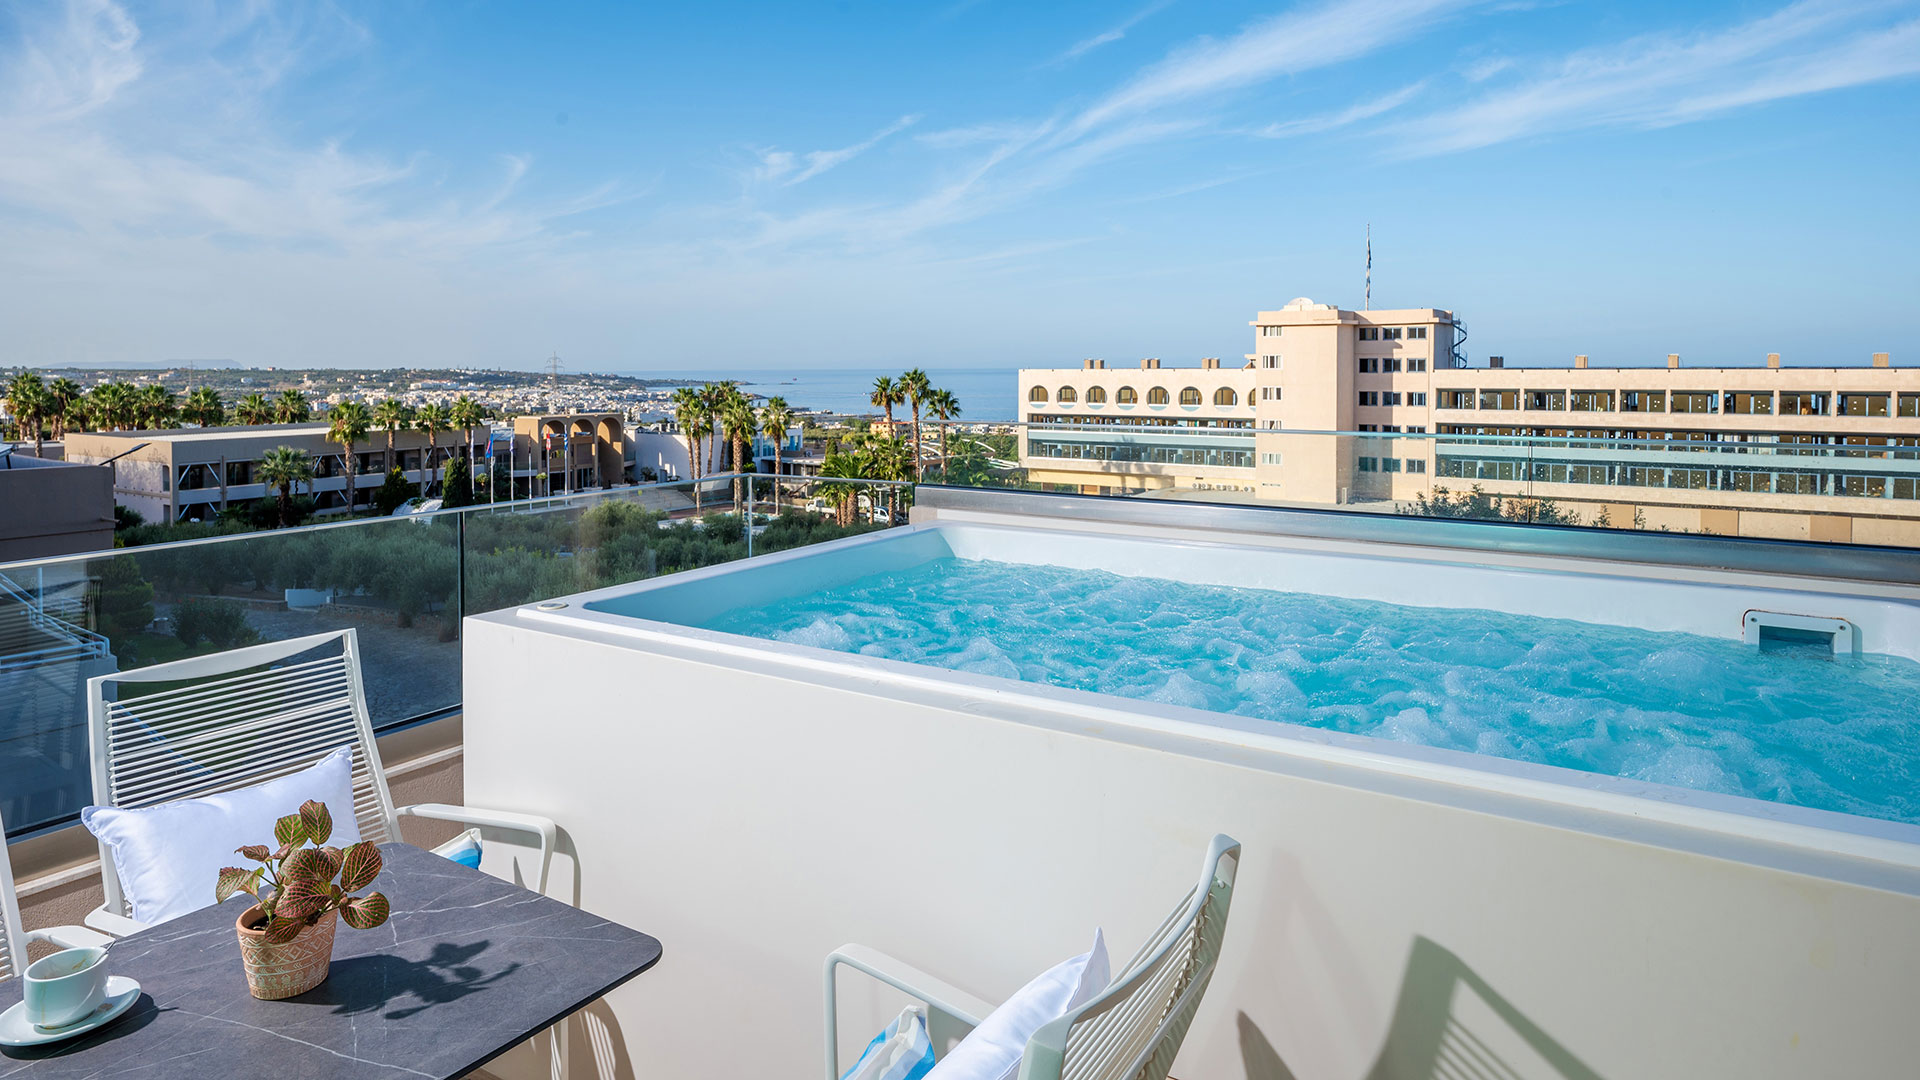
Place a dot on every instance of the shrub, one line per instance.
(222, 623)
(393, 493)
(457, 489)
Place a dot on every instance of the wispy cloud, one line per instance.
(1110, 35)
(1287, 44)
(785, 167)
(1353, 114)
(1661, 80)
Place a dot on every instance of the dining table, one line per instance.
(466, 967)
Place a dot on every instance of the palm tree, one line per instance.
(61, 394)
(916, 386)
(844, 497)
(690, 412)
(27, 401)
(392, 415)
(253, 410)
(715, 395)
(466, 414)
(348, 424)
(739, 423)
(943, 406)
(291, 407)
(283, 467)
(204, 407)
(887, 394)
(775, 419)
(157, 406)
(79, 415)
(430, 420)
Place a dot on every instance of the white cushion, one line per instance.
(992, 1050)
(169, 856)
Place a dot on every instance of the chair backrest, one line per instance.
(13, 954)
(232, 719)
(1133, 1030)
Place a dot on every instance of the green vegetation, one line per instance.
(394, 493)
(220, 623)
(1478, 505)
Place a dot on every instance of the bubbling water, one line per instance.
(1667, 708)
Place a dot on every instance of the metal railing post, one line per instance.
(749, 516)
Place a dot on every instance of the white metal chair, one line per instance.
(13, 940)
(232, 719)
(1131, 1031)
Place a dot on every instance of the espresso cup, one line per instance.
(64, 989)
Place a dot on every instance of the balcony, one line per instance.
(755, 796)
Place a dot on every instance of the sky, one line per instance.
(965, 183)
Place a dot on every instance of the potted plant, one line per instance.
(286, 937)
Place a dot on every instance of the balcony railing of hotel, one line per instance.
(404, 583)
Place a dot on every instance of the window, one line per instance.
(1269, 393)
(1747, 404)
(1389, 397)
(1417, 397)
(1389, 464)
(1417, 429)
(1863, 404)
(1369, 333)
(1190, 396)
(1225, 396)
(1066, 396)
(1269, 331)
(1910, 405)
(1416, 363)
(1499, 399)
(1803, 404)
(1157, 395)
(1269, 458)
(1369, 365)
(1369, 397)
(1390, 363)
(1456, 399)
(1693, 401)
(1096, 395)
(1416, 333)
(1551, 400)
(1368, 464)
(1037, 395)
(1389, 333)
(1590, 401)
(1643, 401)
(1416, 465)
(1368, 427)
(1270, 361)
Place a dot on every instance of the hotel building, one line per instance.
(1320, 413)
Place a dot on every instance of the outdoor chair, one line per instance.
(13, 940)
(1130, 1031)
(211, 724)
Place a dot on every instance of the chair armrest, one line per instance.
(69, 937)
(939, 995)
(542, 829)
(113, 923)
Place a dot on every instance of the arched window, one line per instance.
(1037, 395)
(1067, 395)
(1126, 396)
(1225, 396)
(1190, 396)
(1157, 396)
(1096, 395)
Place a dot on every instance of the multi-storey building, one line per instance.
(1376, 408)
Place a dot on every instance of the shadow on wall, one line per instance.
(1448, 1023)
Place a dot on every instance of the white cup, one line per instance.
(64, 989)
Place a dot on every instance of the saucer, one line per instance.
(17, 1030)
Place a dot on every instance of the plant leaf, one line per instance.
(335, 857)
(307, 863)
(232, 880)
(360, 867)
(256, 852)
(365, 912)
(290, 831)
(316, 820)
(282, 929)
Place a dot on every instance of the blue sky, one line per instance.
(969, 184)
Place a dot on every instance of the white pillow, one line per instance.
(169, 856)
(992, 1050)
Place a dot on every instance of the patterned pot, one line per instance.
(281, 971)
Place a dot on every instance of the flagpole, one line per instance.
(1369, 266)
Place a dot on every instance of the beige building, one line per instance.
(1320, 413)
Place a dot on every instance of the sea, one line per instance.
(984, 393)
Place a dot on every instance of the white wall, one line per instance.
(755, 819)
(664, 453)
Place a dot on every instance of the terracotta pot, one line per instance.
(281, 971)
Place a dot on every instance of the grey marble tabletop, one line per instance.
(467, 967)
